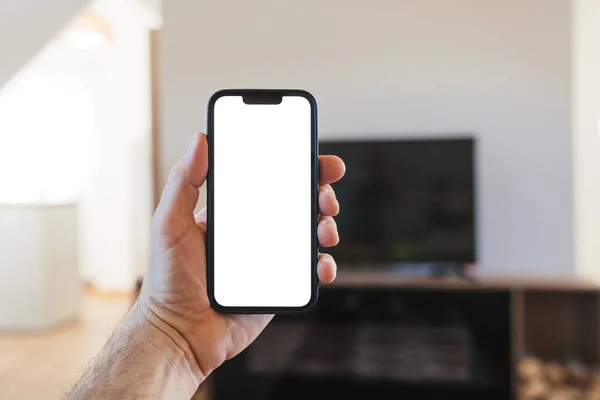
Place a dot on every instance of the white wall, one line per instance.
(40, 286)
(586, 134)
(116, 209)
(500, 68)
(46, 126)
(26, 26)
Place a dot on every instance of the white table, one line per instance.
(40, 284)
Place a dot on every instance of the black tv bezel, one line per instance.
(470, 138)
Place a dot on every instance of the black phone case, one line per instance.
(263, 96)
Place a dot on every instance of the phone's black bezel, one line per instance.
(267, 94)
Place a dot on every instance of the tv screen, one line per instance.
(405, 201)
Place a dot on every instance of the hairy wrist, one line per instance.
(142, 359)
(155, 332)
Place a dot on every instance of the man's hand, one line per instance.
(172, 339)
(174, 297)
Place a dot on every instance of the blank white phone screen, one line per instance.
(262, 227)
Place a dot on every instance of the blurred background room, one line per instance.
(469, 261)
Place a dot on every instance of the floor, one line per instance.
(46, 365)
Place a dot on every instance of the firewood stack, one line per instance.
(540, 380)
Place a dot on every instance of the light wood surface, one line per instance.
(45, 365)
(372, 279)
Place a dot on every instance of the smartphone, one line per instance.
(262, 194)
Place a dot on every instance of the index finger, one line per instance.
(331, 169)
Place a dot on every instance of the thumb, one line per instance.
(180, 195)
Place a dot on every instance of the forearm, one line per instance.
(142, 360)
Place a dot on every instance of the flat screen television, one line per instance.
(405, 201)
